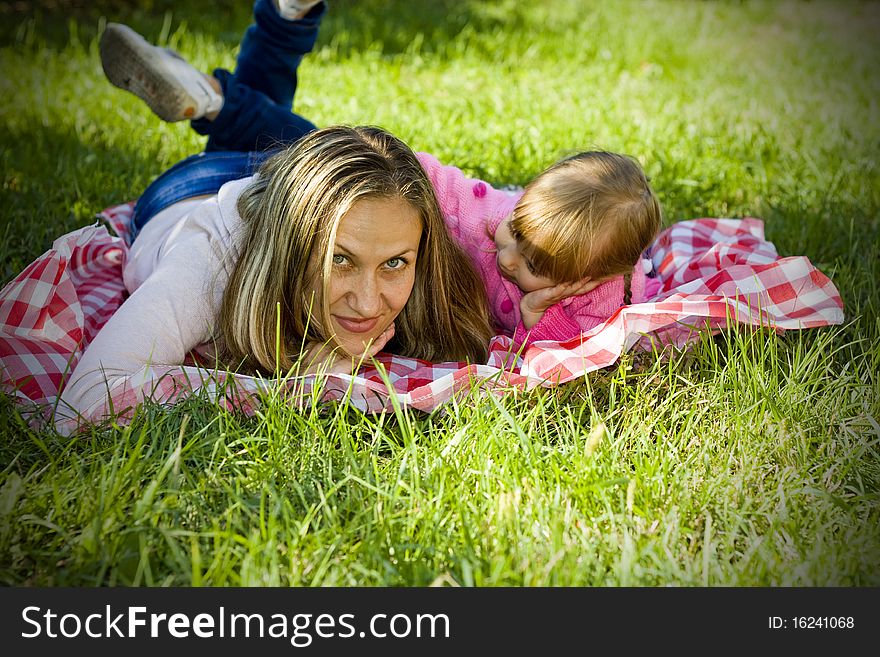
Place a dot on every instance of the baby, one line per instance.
(562, 256)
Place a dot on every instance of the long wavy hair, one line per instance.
(292, 210)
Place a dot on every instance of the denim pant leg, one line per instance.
(272, 49)
(197, 175)
(258, 96)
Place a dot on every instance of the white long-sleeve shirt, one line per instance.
(176, 273)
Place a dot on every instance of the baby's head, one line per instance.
(588, 216)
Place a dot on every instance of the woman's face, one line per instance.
(373, 271)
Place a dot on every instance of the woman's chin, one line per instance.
(355, 345)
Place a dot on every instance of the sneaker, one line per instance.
(292, 9)
(170, 85)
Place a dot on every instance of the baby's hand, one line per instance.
(533, 304)
(322, 358)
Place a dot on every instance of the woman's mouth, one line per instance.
(356, 324)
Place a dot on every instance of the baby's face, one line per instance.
(513, 264)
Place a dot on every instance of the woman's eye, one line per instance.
(395, 263)
(339, 260)
(531, 267)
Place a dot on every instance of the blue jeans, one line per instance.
(257, 114)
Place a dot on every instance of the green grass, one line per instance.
(752, 459)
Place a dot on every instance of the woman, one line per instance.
(335, 249)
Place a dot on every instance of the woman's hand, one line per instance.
(322, 358)
(534, 304)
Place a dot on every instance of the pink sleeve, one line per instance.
(577, 315)
(650, 287)
(653, 286)
(560, 322)
(643, 286)
(466, 203)
(556, 324)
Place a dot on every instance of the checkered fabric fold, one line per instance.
(714, 273)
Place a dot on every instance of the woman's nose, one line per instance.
(365, 296)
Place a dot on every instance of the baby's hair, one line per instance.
(589, 215)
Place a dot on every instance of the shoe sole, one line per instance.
(128, 63)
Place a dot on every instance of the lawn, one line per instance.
(751, 459)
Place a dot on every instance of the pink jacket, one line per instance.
(473, 210)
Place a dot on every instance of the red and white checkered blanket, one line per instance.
(714, 272)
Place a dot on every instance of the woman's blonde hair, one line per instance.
(292, 210)
(589, 215)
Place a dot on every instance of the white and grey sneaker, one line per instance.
(171, 86)
(292, 9)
